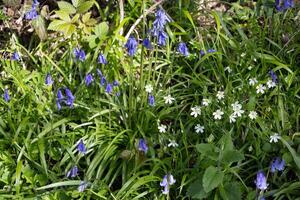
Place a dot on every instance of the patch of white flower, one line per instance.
(260, 89)
(220, 95)
(274, 138)
(162, 128)
(252, 81)
(252, 115)
(271, 84)
(206, 102)
(169, 99)
(199, 128)
(196, 111)
(149, 88)
(218, 114)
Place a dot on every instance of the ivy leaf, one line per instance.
(212, 178)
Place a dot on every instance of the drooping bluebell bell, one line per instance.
(32, 13)
(88, 79)
(261, 181)
(48, 80)
(202, 53)
(15, 56)
(99, 72)
(82, 186)
(70, 97)
(277, 164)
(211, 51)
(182, 49)
(115, 83)
(131, 45)
(143, 146)
(73, 172)
(147, 43)
(167, 181)
(118, 94)
(101, 59)
(151, 100)
(161, 19)
(109, 88)
(81, 147)
(273, 76)
(59, 99)
(6, 95)
(161, 38)
(79, 54)
(102, 81)
(288, 4)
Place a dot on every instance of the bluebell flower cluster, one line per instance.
(161, 19)
(182, 49)
(261, 181)
(73, 172)
(277, 164)
(48, 80)
(143, 146)
(81, 147)
(202, 52)
(147, 43)
(79, 54)
(167, 181)
(131, 46)
(15, 56)
(273, 76)
(151, 100)
(68, 100)
(6, 95)
(282, 5)
(32, 13)
(88, 79)
(102, 59)
(82, 186)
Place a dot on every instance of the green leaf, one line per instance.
(101, 29)
(39, 27)
(212, 178)
(63, 15)
(59, 184)
(293, 152)
(230, 156)
(196, 190)
(84, 7)
(208, 150)
(57, 25)
(232, 191)
(66, 7)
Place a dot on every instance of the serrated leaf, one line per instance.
(101, 30)
(75, 18)
(212, 178)
(56, 25)
(208, 150)
(63, 15)
(75, 3)
(86, 17)
(232, 191)
(69, 29)
(230, 156)
(196, 191)
(66, 7)
(84, 7)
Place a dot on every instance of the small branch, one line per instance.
(121, 7)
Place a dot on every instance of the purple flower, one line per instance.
(59, 99)
(79, 54)
(6, 95)
(182, 49)
(70, 97)
(282, 5)
(82, 186)
(143, 146)
(81, 147)
(273, 76)
(211, 51)
(115, 83)
(31, 14)
(101, 59)
(73, 172)
(88, 79)
(109, 88)
(277, 164)
(202, 53)
(15, 56)
(102, 81)
(99, 72)
(147, 43)
(161, 38)
(167, 181)
(48, 80)
(151, 100)
(131, 46)
(161, 19)
(261, 181)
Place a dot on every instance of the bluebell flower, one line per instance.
(131, 46)
(161, 38)
(282, 5)
(147, 43)
(102, 81)
(48, 80)
(143, 146)
(6, 95)
(81, 147)
(79, 54)
(151, 100)
(211, 51)
(82, 186)
(15, 56)
(261, 181)
(109, 88)
(161, 19)
(202, 53)
(118, 94)
(88, 79)
(35, 3)
(99, 72)
(167, 181)
(115, 83)
(182, 49)
(73, 172)
(101, 59)
(277, 164)
(31, 14)
(59, 99)
(70, 97)
(273, 76)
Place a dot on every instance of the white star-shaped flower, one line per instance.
(237, 109)
(172, 143)
(252, 81)
(196, 111)
(206, 102)
(149, 88)
(199, 128)
(252, 115)
(228, 69)
(274, 138)
(162, 128)
(218, 114)
(220, 95)
(260, 89)
(169, 99)
(232, 118)
(271, 84)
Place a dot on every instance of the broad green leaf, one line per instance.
(84, 7)
(212, 178)
(208, 150)
(293, 152)
(230, 156)
(101, 30)
(196, 190)
(232, 191)
(63, 15)
(66, 7)
(57, 25)
(39, 27)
